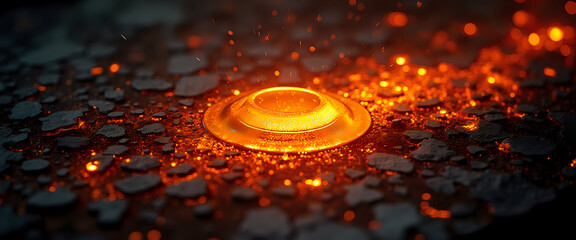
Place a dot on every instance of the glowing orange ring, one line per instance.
(287, 119)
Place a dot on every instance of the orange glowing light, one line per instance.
(426, 196)
(422, 71)
(294, 55)
(570, 7)
(274, 12)
(114, 68)
(236, 92)
(230, 32)
(550, 72)
(520, 18)
(384, 84)
(287, 119)
(397, 19)
(349, 215)
(573, 163)
(556, 34)
(276, 73)
(135, 236)
(491, 80)
(92, 166)
(565, 50)
(287, 182)
(312, 49)
(400, 61)
(194, 41)
(96, 71)
(533, 39)
(153, 235)
(470, 29)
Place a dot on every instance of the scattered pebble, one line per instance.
(138, 184)
(189, 189)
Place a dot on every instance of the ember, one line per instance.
(347, 119)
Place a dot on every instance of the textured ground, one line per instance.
(472, 102)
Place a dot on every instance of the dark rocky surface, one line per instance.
(102, 136)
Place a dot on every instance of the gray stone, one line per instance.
(181, 170)
(151, 85)
(196, 85)
(35, 165)
(111, 131)
(25, 109)
(153, 128)
(116, 150)
(389, 162)
(138, 184)
(395, 220)
(60, 119)
(189, 189)
(109, 212)
(47, 200)
(530, 145)
(441, 185)
(102, 106)
(418, 135)
(264, 223)
(432, 150)
(359, 193)
(141, 163)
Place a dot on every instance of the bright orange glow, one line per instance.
(427, 210)
(426, 196)
(276, 73)
(173, 164)
(194, 41)
(491, 80)
(294, 55)
(274, 12)
(236, 92)
(153, 235)
(520, 18)
(354, 77)
(52, 189)
(384, 84)
(534, 39)
(400, 61)
(422, 71)
(287, 182)
(573, 163)
(565, 50)
(470, 29)
(263, 202)
(96, 71)
(114, 68)
(550, 72)
(312, 49)
(349, 215)
(270, 118)
(556, 34)
(135, 236)
(230, 32)
(397, 88)
(92, 166)
(570, 7)
(397, 19)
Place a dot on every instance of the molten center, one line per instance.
(287, 100)
(286, 109)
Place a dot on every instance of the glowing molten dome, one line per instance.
(287, 119)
